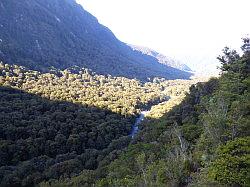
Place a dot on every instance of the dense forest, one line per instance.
(72, 128)
(203, 141)
(71, 94)
(56, 125)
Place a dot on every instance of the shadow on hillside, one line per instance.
(75, 37)
(44, 139)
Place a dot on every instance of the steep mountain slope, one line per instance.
(60, 33)
(161, 58)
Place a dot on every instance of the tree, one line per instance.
(232, 165)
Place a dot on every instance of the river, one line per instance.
(139, 119)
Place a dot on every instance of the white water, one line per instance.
(135, 127)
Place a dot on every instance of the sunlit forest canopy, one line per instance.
(60, 123)
(81, 107)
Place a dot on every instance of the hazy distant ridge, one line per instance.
(161, 58)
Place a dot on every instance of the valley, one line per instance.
(72, 114)
(79, 107)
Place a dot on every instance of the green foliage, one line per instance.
(191, 132)
(232, 165)
(70, 127)
(203, 141)
(55, 125)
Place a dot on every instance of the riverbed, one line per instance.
(139, 119)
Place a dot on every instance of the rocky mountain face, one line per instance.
(41, 34)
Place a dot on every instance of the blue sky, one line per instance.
(193, 31)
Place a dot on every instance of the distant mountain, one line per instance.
(162, 58)
(41, 34)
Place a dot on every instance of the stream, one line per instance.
(135, 127)
(140, 118)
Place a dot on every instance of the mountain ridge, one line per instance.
(163, 59)
(61, 34)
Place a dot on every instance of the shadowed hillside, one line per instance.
(60, 33)
(41, 138)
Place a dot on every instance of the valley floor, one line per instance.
(73, 128)
(61, 123)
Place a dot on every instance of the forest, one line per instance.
(72, 128)
(71, 94)
(202, 141)
(58, 124)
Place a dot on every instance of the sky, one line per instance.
(192, 31)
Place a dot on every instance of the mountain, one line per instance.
(41, 34)
(162, 58)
